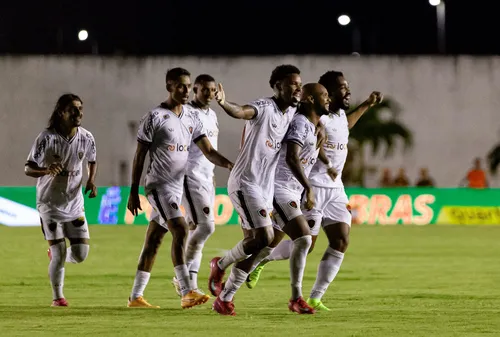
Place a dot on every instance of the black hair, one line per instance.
(204, 78)
(62, 103)
(281, 72)
(175, 73)
(329, 79)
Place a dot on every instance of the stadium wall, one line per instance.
(396, 206)
(450, 103)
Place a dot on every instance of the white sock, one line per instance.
(261, 256)
(327, 270)
(283, 251)
(233, 283)
(298, 264)
(235, 254)
(56, 269)
(140, 282)
(182, 275)
(193, 260)
(77, 253)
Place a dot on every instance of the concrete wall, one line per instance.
(449, 103)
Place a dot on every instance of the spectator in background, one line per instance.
(476, 177)
(386, 180)
(424, 179)
(401, 179)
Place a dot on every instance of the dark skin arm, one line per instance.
(232, 109)
(293, 162)
(134, 204)
(91, 187)
(212, 154)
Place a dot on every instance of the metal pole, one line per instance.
(441, 27)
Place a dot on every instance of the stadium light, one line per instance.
(434, 2)
(83, 35)
(344, 20)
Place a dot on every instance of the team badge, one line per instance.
(174, 206)
(263, 213)
(80, 155)
(293, 204)
(190, 129)
(206, 210)
(349, 208)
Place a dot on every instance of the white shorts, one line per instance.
(198, 201)
(286, 206)
(54, 230)
(332, 206)
(166, 205)
(252, 207)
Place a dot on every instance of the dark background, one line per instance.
(246, 27)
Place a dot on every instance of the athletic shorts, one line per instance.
(166, 205)
(332, 206)
(54, 230)
(252, 206)
(286, 206)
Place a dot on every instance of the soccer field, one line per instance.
(395, 281)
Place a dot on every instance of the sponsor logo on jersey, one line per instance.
(212, 133)
(66, 173)
(308, 161)
(337, 146)
(273, 144)
(178, 147)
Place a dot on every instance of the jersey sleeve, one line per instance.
(147, 127)
(297, 131)
(91, 149)
(198, 128)
(259, 106)
(37, 153)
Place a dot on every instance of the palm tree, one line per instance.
(494, 159)
(380, 128)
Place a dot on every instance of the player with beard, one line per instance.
(251, 182)
(331, 210)
(167, 133)
(56, 160)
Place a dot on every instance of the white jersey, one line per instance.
(256, 163)
(335, 147)
(60, 198)
(199, 167)
(301, 132)
(170, 138)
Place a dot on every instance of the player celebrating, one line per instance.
(199, 185)
(56, 160)
(166, 133)
(251, 182)
(331, 210)
(296, 159)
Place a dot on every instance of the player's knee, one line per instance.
(206, 228)
(80, 252)
(58, 252)
(304, 242)
(340, 243)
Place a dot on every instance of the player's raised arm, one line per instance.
(212, 154)
(374, 99)
(232, 109)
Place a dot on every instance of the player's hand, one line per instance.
(230, 166)
(134, 204)
(220, 96)
(54, 169)
(92, 188)
(309, 204)
(375, 98)
(332, 173)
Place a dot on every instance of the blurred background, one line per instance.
(435, 62)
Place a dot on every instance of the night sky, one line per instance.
(248, 27)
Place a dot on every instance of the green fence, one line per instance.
(418, 206)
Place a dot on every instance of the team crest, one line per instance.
(80, 155)
(190, 129)
(263, 213)
(174, 206)
(166, 116)
(349, 208)
(206, 210)
(293, 204)
(311, 224)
